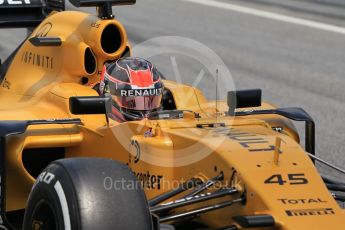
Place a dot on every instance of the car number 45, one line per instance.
(292, 179)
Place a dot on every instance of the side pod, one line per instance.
(11, 128)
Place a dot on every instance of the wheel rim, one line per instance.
(44, 217)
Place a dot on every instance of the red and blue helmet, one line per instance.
(134, 84)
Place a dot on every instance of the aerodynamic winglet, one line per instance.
(46, 41)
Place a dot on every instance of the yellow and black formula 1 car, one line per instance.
(65, 165)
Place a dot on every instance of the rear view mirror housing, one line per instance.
(243, 99)
(89, 105)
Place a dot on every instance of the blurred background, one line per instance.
(294, 50)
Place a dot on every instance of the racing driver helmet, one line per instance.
(135, 87)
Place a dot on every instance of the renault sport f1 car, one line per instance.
(65, 165)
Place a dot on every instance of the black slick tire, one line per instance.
(87, 194)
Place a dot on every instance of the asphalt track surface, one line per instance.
(293, 63)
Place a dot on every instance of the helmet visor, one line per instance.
(139, 102)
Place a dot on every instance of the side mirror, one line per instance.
(244, 99)
(89, 105)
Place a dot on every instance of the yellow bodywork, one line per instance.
(41, 80)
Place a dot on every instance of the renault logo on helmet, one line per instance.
(140, 92)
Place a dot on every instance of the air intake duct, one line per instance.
(108, 39)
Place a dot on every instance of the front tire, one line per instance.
(86, 194)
